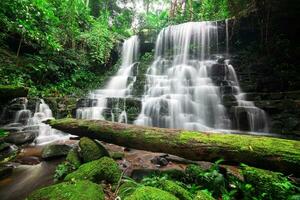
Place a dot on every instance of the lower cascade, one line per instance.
(119, 86)
(187, 84)
(29, 119)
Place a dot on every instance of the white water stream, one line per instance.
(119, 86)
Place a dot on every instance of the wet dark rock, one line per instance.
(22, 137)
(218, 70)
(229, 100)
(55, 150)
(161, 161)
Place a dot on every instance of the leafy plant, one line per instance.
(62, 170)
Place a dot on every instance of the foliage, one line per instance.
(3, 133)
(62, 170)
(57, 47)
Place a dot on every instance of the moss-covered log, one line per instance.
(265, 152)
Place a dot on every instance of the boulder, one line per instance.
(104, 169)
(150, 193)
(69, 190)
(91, 150)
(55, 150)
(21, 137)
(161, 161)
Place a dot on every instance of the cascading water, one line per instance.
(119, 86)
(27, 121)
(182, 90)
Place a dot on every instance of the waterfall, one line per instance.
(119, 86)
(26, 120)
(187, 82)
(179, 91)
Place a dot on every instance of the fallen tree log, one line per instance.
(264, 152)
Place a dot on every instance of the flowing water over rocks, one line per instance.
(119, 86)
(26, 117)
(189, 85)
(188, 81)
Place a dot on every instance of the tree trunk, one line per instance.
(264, 152)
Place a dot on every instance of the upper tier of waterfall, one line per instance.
(119, 86)
(184, 86)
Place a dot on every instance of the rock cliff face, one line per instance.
(265, 51)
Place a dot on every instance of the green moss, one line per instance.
(150, 193)
(268, 185)
(73, 158)
(287, 149)
(90, 150)
(69, 190)
(175, 189)
(96, 171)
(203, 195)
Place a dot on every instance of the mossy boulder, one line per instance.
(203, 195)
(96, 171)
(90, 150)
(69, 190)
(150, 193)
(268, 184)
(73, 158)
(55, 150)
(175, 189)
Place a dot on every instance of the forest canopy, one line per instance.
(58, 47)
